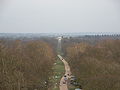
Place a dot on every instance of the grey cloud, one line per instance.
(60, 16)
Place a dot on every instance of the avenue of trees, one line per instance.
(96, 66)
(25, 65)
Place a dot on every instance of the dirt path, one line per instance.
(67, 71)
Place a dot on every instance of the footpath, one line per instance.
(63, 86)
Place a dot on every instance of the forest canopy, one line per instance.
(25, 64)
(96, 66)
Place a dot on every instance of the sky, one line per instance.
(59, 16)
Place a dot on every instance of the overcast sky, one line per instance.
(52, 16)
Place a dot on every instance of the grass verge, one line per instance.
(58, 73)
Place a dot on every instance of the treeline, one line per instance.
(25, 65)
(91, 39)
(97, 67)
